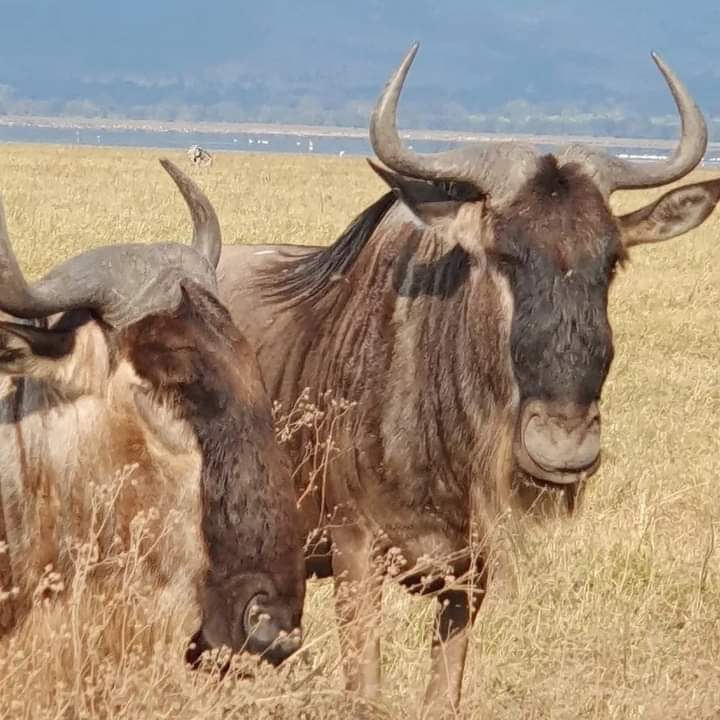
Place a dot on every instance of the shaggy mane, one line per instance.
(297, 279)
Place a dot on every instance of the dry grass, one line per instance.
(614, 614)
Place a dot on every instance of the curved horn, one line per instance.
(490, 167)
(17, 297)
(497, 167)
(121, 283)
(81, 282)
(207, 238)
(617, 173)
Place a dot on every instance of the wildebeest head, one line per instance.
(137, 331)
(543, 227)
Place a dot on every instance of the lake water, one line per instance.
(258, 142)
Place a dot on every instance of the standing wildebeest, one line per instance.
(136, 367)
(465, 315)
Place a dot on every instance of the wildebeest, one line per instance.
(464, 314)
(199, 156)
(130, 364)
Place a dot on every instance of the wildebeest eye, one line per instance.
(503, 259)
(167, 366)
(461, 191)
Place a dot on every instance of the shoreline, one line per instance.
(322, 131)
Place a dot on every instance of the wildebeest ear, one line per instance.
(674, 213)
(444, 206)
(28, 350)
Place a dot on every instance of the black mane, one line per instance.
(296, 279)
(302, 279)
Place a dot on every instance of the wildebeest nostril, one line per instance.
(196, 647)
(284, 645)
(564, 438)
(266, 634)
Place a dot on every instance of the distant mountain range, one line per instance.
(520, 66)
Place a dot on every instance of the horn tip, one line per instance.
(658, 60)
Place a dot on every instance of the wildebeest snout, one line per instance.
(248, 615)
(270, 632)
(558, 441)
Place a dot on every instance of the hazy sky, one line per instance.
(483, 53)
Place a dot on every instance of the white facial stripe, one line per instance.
(167, 432)
(507, 304)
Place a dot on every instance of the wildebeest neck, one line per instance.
(441, 276)
(451, 366)
(416, 333)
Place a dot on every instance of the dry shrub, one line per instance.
(106, 640)
(613, 614)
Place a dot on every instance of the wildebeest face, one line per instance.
(133, 342)
(557, 245)
(252, 594)
(544, 224)
(179, 381)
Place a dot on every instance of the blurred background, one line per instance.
(560, 68)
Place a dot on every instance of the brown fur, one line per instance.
(439, 317)
(175, 405)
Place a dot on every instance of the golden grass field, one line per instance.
(613, 614)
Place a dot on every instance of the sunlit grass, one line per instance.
(612, 614)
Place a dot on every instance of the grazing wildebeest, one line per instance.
(136, 367)
(199, 156)
(465, 316)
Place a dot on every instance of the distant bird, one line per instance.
(199, 156)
